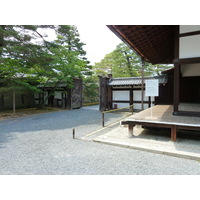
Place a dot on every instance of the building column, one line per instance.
(176, 87)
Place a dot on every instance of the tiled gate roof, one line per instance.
(135, 80)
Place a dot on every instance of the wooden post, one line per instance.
(173, 133)
(103, 119)
(73, 133)
(142, 86)
(176, 70)
(176, 87)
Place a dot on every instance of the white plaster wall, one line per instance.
(189, 46)
(137, 95)
(190, 70)
(189, 28)
(121, 95)
(121, 105)
(139, 106)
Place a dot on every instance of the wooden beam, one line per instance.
(131, 97)
(189, 34)
(187, 60)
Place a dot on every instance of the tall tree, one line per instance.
(124, 62)
(25, 52)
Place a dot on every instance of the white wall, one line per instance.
(189, 28)
(124, 96)
(121, 105)
(190, 70)
(138, 106)
(121, 95)
(137, 95)
(189, 46)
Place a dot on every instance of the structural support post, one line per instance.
(103, 119)
(176, 70)
(142, 86)
(131, 100)
(176, 87)
(173, 133)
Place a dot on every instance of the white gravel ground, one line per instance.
(43, 144)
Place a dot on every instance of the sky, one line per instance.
(99, 40)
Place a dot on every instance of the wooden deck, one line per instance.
(161, 116)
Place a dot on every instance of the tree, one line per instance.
(90, 91)
(124, 62)
(25, 53)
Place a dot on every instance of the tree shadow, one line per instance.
(84, 121)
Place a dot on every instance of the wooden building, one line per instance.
(61, 96)
(170, 44)
(125, 92)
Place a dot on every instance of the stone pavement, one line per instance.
(151, 140)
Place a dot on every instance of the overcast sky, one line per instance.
(99, 40)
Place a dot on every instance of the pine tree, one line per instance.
(25, 54)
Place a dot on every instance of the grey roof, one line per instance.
(135, 80)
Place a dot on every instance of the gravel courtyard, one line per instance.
(43, 144)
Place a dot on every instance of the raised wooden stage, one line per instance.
(161, 116)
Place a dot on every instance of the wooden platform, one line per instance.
(161, 116)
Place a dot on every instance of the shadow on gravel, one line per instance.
(84, 120)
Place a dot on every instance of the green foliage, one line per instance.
(124, 62)
(91, 89)
(29, 59)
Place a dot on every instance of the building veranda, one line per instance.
(168, 44)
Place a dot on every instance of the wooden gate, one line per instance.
(76, 94)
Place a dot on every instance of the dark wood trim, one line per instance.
(176, 86)
(176, 42)
(128, 89)
(142, 89)
(189, 34)
(176, 69)
(149, 102)
(131, 97)
(187, 60)
(118, 101)
(187, 113)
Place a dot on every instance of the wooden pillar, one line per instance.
(149, 102)
(109, 97)
(142, 86)
(176, 87)
(173, 133)
(176, 70)
(131, 98)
